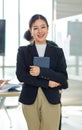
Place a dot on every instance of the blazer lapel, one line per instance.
(33, 50)
(47, 51)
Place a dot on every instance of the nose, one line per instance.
(39, 29)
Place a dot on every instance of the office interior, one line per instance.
(65, 28)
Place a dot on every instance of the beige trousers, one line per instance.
(42, 115)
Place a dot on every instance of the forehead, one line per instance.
(39, 22)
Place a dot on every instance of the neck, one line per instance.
(40, 42)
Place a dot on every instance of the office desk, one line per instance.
(10, 94)
(2, 100)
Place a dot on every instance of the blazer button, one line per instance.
(42, 76)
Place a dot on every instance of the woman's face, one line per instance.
(39, 31)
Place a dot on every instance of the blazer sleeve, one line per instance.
(59, 74)
(22, 72)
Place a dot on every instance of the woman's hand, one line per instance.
(53, 84)
(34, 70)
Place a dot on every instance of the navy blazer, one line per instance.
(57, 72)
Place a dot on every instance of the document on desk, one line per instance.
(42, 62)
(10, 87)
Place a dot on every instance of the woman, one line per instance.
(28, 37)
(40, 95)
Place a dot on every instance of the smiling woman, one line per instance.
(41, 84)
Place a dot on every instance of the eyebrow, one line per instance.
(40, 25)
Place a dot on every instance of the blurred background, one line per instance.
(65, 28)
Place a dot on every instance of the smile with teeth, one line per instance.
(41, 36)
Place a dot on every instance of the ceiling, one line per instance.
(66, 8)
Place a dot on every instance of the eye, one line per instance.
(35, 28)
(43, 27)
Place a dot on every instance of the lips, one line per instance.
(40, 36)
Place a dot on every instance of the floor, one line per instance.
(71, 118)
(71, 110)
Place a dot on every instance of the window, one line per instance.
(67, 32)
(17, 14)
